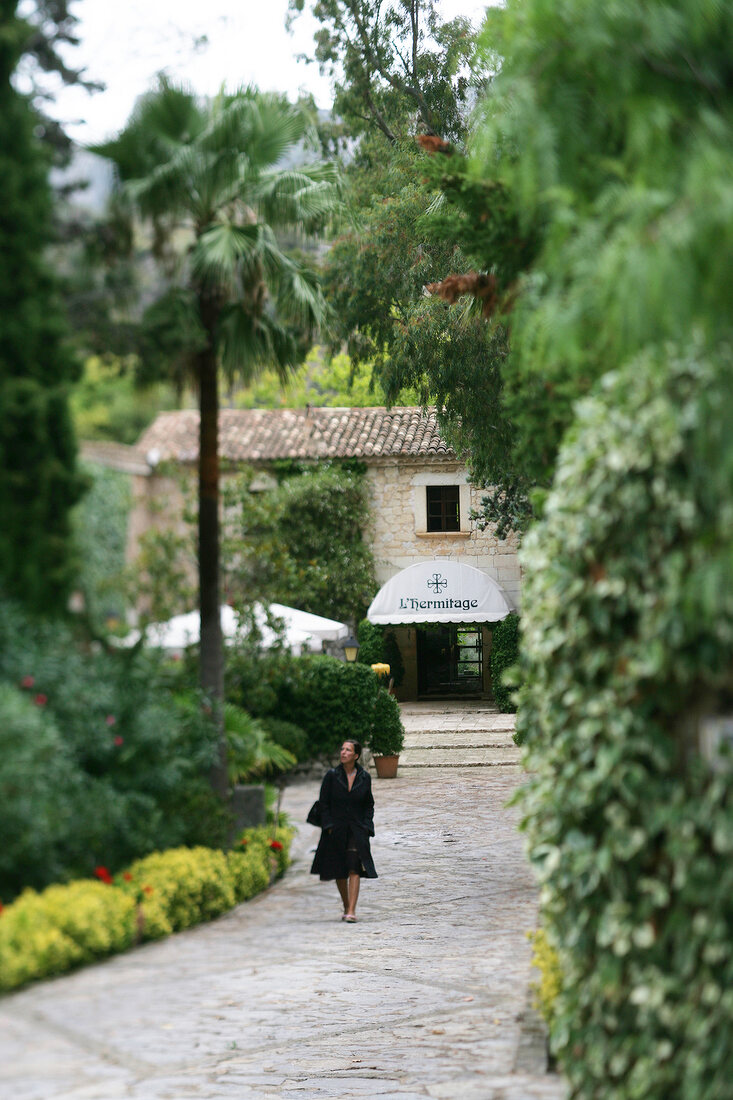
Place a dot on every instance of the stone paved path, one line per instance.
(422, 998)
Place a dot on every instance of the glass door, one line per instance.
(449, 659)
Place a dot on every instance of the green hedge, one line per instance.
(330, 699)
(65, 926)
(326, 698)
(627, 644)
(504, 655)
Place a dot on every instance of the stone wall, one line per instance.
(397, 491)
(397, 495)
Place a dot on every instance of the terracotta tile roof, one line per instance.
(261, 435)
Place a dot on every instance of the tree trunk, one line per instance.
(211, 670)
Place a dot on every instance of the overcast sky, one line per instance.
(206, 42)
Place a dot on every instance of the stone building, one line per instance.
(421, 501)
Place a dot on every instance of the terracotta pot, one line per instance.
(386, 766)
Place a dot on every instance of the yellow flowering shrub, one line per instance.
(65, 926)
(547, 989)
(49, 933)
(193, 884)
(99, 919)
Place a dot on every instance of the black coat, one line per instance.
(344, 811)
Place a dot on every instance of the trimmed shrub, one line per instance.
(371, 643)
(627, 647)
(387, 737)
(330, 700)
(49, 933)
(66, 926)
(504, 655)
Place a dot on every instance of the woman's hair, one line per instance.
(356, 744)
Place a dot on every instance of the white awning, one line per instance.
(439, 592)
(300, 629)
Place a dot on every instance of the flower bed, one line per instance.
(48, 933)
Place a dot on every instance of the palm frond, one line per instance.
(303, 197)
(219, 251)
(255, 127)
(300, 298)
(162, 120)
(248, 343)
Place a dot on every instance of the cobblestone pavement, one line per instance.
(424, 997)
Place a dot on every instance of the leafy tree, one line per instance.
(208, 175)
(396, 66)
(610, 130)
(302, 544)
(49, 29)
(39, 482)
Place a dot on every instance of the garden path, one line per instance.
(427, 996)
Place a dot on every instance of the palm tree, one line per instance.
(209, 178)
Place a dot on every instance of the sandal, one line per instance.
(349, 918)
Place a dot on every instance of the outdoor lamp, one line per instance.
(351, 648)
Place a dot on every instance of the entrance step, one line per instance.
(457, 734)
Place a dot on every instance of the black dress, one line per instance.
(347, 818)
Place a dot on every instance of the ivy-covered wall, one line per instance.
(627, 650)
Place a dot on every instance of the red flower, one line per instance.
(244, 841)
(276, 845)
(127, 876)
(27, 682)
(147, 890)
(40, 700)
(103, 874)
(119, 740)
(110, 719)
(1, 907)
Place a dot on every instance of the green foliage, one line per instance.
(159, 581)
(504, 655)
(133, 754)
(109, 403)
(302, 544)
(371, 643)
(330, 700)
(100, 528)
(39, 482)
(40, 790)
(379, 646)
(288, 735)
(250, 752)
(46, 934)
(627, 649)
(394, 66)
(610, 133)
(66, 926)
(321, 381)
(387, 737)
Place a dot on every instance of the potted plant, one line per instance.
(388, 735)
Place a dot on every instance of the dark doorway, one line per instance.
(449, 660)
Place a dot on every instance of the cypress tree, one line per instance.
(39, 481)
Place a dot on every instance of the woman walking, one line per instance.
(347, 822)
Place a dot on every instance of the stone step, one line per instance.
(473, 757)
(440, 723)
(453, 739)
